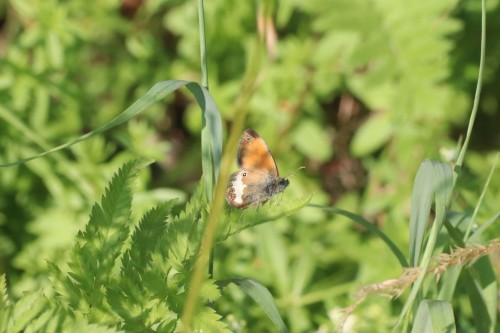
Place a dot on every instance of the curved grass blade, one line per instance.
(475, 236)
(211, 136)
(433, 183)
(461, 155)
(211, 132)
(261, 296)
(482, 290)
(371, 227)
(434, 317)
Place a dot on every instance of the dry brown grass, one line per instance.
(393, 288)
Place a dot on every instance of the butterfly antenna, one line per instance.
(293, 173)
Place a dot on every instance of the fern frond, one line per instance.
(97, 249)
(5, 307)
(27, 309)
(237, 220)
(149, 291)
(207, 320)
(146, 237)
(130, 296)
(184, 234)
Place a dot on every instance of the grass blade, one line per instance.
(211, 132)
(482, 290)
(371, 227)
(261, 296)
(433, 182)
(477, 95)
(481, 197)
(434, 317)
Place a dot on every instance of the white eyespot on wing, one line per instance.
(239, 187)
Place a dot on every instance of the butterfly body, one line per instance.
(258, 178)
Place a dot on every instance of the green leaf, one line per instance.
(29, 307)
(316, 145)
(5, 307)
(146, 237)
(483, 295)
(478, 232)
(261, 296)
(237, 220)
(207, 320)
(95, 253)
(372, 135)
(434, 317)
(130, 296)
(211, 136)
(433, 183)
(209, 291)
(184, 234)
(448, 282)
(211, 132)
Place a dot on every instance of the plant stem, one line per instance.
(207, 241)
(472, 118)
(203, 45)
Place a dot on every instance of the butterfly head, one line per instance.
(282, 184)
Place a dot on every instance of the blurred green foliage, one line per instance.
(360, 92)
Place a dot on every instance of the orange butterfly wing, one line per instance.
(253, 153)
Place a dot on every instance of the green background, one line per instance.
(358, 92)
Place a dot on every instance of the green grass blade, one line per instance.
(481, 197)
(477, 95)
(433, 182)
(449, 283)
(482, 290)
(211, 136)
(482, 228)
(369, 226)
(261, 296)
(156, 93)
(211, 132)
(203, 44)
(434, 317)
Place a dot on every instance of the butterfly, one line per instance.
(258, 178)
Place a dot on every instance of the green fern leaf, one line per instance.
(69, 292)
(237, 220)
(210, 291)
(58, 319)
(5, 307)
(207, 320)
(146, 237)
(29, 307)
(129, 297)
(184, 234)
(97, 249)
